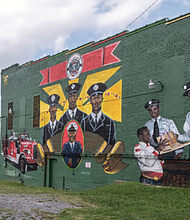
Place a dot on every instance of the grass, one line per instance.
(120, 201)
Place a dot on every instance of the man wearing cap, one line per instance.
(97, 122)
(148, 158)
(73, 112)
(53, 127)
(186, 127)
(159, 126)
(72, 149)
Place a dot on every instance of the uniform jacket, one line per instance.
(74, 154)
(47, 132)
(79, 116)
(105, 127)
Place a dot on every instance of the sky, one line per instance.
(32, 29)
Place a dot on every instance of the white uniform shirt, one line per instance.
(165, 125)
(53, 124)
(98, 115)
(72, 111)
(186, 129)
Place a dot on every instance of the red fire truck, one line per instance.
(20, 152)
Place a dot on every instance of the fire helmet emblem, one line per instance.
(72, 86)
(53, 98)
(74, 66)
(95, 87)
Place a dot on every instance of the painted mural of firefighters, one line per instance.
(97, 122)
(186, 127)
(72, 149)
(148, 159)
(54, 126)
(159, 126)
(73, 112)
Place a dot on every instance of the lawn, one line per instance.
(120, 201)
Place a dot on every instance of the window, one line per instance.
(10, 116)
(36, 111)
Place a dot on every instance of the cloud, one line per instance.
(59, 43)
(33, 28)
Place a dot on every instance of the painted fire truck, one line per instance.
(20, 152)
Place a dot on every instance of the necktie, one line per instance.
(73, 114)
(52, 128)
(96, 121)
(72, 146)
(156, 131)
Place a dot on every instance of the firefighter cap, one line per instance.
(74, 87)
(186, 87)
(53, 99)
(97, 88)
(151, 103)
(72, 127)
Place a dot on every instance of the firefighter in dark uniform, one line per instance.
(73, 112)
(97, 122)
(72, 149)
(53, 127)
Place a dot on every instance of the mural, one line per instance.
(158, 126)
(20, 152)
(79, 64)
(5, 80)
(149, 163)
(73, 112)
(87, 110)
(97, 122)
(97, 128)
(159, 140)
(186, 128)
(76, 120)
(72, 144)
(79, 118)
(53, 127)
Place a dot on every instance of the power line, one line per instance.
(141, 14)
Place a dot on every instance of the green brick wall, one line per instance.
(159, 51)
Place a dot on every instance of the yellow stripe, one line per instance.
(40, 149)
(78, 48)
(177, 19)
(102, 147)
(25, 64)
(49, 145)
(116, 146)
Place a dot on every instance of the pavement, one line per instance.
(31, 206)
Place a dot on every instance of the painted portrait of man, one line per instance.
(97, 122)
(73, 112)
(158, 125)
(54, 126)
(72, 149)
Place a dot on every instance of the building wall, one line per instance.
(124, 63)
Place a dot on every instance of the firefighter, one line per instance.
(73, 112)
(53, 127)
(72, 149)
(97, 122)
